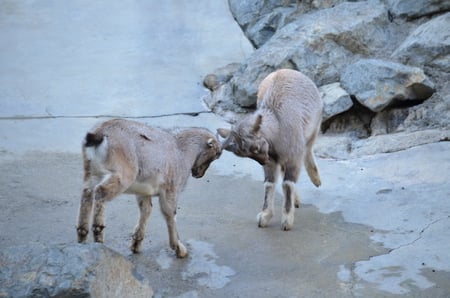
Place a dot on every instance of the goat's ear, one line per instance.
(223, 132)
(257, 125)
(210, 142)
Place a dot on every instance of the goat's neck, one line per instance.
(190, 144)
(270, 124)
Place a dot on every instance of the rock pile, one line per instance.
(69, 270)
(382, 66)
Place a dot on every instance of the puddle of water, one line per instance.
(203, 267)
(164, 260)
(344, 274)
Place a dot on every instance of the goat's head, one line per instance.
(245, 139)
(210, 152)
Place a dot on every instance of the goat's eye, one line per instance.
(254, 149)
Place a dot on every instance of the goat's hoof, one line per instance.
(136, 246)
(99, 239)
(316, 181)
(297, 203)
(285, 226)
(82, 234)
(181, 251)
(98, 233)
(287, 222)
(263, 219)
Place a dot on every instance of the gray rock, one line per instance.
(323, 37)
(397, 141)
(69, 270)
(220, 76)
(227, 109)
(336, 100)
(389, 121)
(346, 146)
(261, 19)
(377, 84)
(245, 12)
(319, 44)
(428, 44)
(417, 8)
(265, 27)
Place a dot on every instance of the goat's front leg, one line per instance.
(168, 204)
(84, 214)
(145, 208)
(297, 199)
(290, 197)
(271, 175)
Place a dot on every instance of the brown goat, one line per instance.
(280, 135)
(122, 156)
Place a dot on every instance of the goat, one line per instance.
(280, 135)
(123, 156)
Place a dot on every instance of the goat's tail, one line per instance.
(93, 139)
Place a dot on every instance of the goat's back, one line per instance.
(133, 145)
(293, 98)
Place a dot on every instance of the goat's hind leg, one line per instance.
(84, 214)
(310, 162)
(271, 175)
(145, 208)
(297, 199)
(290, 197)
(111, 186)
(287, 216)
(168, 204)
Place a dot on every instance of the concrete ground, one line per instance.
(378, 227)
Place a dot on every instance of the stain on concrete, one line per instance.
(203, 267)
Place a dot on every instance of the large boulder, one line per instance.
(377, 84)
(68, 270)
(417, 8)
(428, 44)
(260, 20)
(389, 57)
(336, 100)
(320, 44)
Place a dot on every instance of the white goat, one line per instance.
(122, 156)
(280, 134)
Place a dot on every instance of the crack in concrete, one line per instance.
(49, 116)
(354, 278)
(420, 234)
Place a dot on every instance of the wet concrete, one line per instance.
(229, 255)
(379, 225)
(332, 250)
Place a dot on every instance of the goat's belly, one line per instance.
(139, 188)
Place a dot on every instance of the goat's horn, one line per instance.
(225, 143)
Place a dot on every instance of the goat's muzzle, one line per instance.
(199, 172)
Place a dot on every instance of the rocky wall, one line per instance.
(383, 67)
